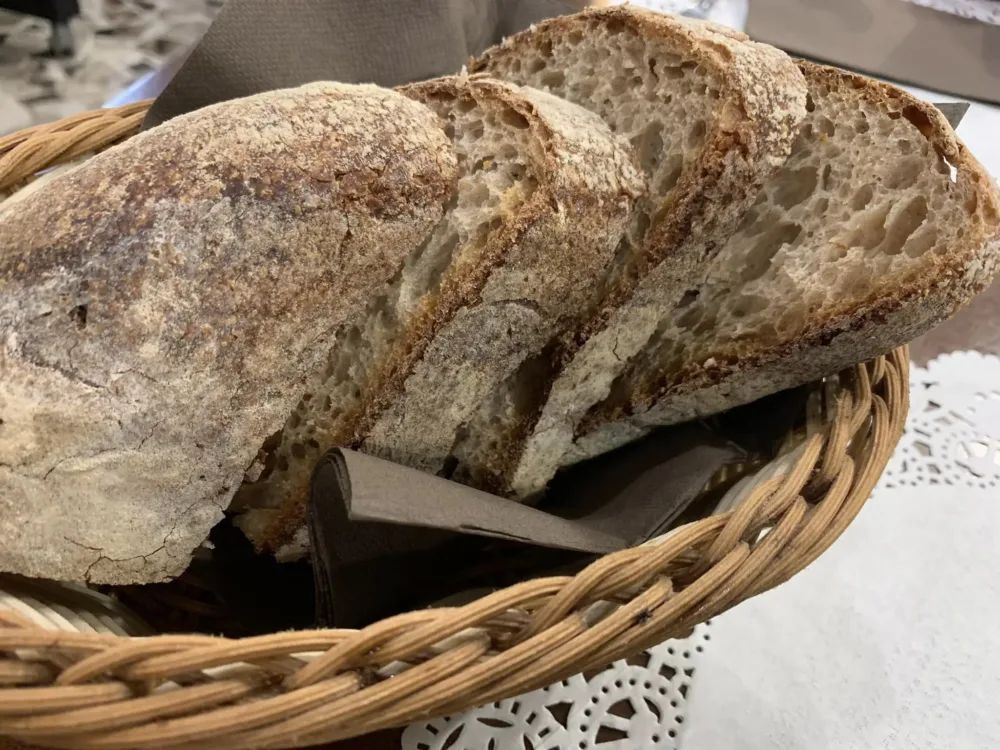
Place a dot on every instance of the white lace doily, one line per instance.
(954, 409)
(632, 705)
(889, 640)
(950, 449)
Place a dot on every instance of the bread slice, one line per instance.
(879, 226)
(711, 115)
(543, 199)
(162, 304)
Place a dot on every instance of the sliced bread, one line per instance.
(544, 197)
(711, 116)
(879, 226)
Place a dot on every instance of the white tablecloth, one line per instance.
(889, 640)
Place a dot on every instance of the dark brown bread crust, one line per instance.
(161, 305)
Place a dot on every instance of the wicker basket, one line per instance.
(294, 689)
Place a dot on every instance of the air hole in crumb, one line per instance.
(810, 104)
(696, 134)
(449, 467)
(515, 119)
(904, 174)
(690, 318)
(920, 242)
(689, 296)
(642, 221)
(749, 304)
(827, 170)
(919, 119)
(862, 197)
(553, 79)
(796, 187)
(298, 450)
(649, 145)
(904, 224)
(79, 315)
(870, 231)
(670, 172)
(972, 202)
(759, 258)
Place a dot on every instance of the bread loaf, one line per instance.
(544, 196)
(879, 226)
(711, 116)
(162, 305)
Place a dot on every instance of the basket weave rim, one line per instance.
(304, 688)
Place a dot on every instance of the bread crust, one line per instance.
(534, 276)
(161, 304)
(561, 243)
(855, 330)
(748, 137)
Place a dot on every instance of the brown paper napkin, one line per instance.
(385, 538)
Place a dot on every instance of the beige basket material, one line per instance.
(68, 607)
(295, 689)
(27, 152)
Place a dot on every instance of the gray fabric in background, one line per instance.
(259, 45)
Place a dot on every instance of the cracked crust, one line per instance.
(161, 305)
